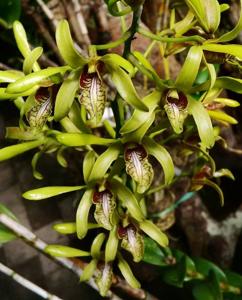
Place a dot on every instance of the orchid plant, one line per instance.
(118, 180)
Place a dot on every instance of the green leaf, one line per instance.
(128, 199)
(231, 35)
(139, 118)
(235, 50)
(104, 162)
(115, 60)
(190, 68)
(203, 122)
(82, 139)
(207, 12)
(126, 89)
(66, 47)
(66, 95)
(65, 251)
(10, 10)
(6, 235)
(83, 213)
(50, 191)
(33, 79)
(31, 59)
(6, 211)
(88, 163)
(175, 275)
(153, 253)
(14, 150)
(163, 157)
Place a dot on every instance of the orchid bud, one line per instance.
(204, 173)
(132, 241)
(138, 167)
(39, 113)
(104, 278)
(92, 96)
(176, 109)
(105, 209)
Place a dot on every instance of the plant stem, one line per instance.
(27, 284)
(193, 38)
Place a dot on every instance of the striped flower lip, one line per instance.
(138, 166)
(176, 109)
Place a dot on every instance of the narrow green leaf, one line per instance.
(6, 235)
(81, 139)
(203, 122)
(163, 157)
(33, 79)
(128, 199)
(65, 251)
(31, 59)
(14, 150)
(66, 95)
(50, 191)
(189, 69)
(153, 253)
(6, 211)
(126, 88)
(66, 46)
(104, 162)
(83, 213)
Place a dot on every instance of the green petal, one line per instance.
(111, 245)
(127, 273)
(96, 245)
(31, 60)
(104, 162)
(128, 199)
(34, 162)
(64, 251)
(235, 50)
(10, 76)
(50, 191)
(81, 139)
(88, 163)
(229, 83)
(66, 47)
(33, 79)
(189, 69)
(203, 122)
(89, 270)
(22, 42)
(114, 60)
(83, 213)
(138, 118)
(14, 150)
(163, 157)
(66, 95)
(126, 89)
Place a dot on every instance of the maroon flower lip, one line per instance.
(138, 150)
(98, 196)
(42, 94)
(181, 102)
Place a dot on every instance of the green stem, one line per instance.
(114, 44)
(193, 38)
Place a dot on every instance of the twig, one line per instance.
(47, 12)
(4, 66)
(27, 284)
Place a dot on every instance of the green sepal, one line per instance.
(10, 75)
(14, 150)
(88, 163)
(104, 161)
(34, 162)
(126, 88)
(97, 244)
(111, 245)
(64, 251)
(163, 157)
(235, 50)
(82, 139)
(128, 199)
(66, 95)
(31, 60)
(66, 46)
(50, 191)
(83, 213)
(203, 122)
(89, 270)
(115, 60)
(31, 80)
